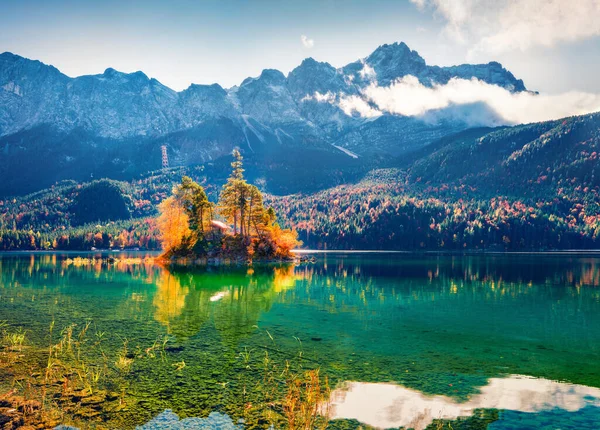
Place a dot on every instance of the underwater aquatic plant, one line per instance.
(123, 362)
(179, 366)
(14, 340)
(71, 379)
(83, 374)
(306, 404)
(276, 388)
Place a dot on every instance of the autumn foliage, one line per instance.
(192, 226)
(173, 224)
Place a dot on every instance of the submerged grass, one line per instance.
(14, 340)
(83, 378)
(277, 389)
(73, 380)
(307, 401)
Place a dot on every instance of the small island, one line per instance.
(194, 230)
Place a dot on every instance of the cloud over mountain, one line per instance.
(407, 96)
(472, 101)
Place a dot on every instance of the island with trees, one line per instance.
(238, 228)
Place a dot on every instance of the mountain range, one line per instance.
(113, 124)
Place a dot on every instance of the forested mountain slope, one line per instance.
(534, 186)
(514, 188)
(522, 161)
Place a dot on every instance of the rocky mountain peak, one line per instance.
(14, 66)
(396, 60)
(394, 53)
(492, 73)
(205, 89)
(272, 76)
(136, 78)
(314, 76)
(110, 72)
(123, 105)
(8, 56)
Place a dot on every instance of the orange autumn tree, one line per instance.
(173, 224)
(284, 240)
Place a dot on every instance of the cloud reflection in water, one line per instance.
(388, 405)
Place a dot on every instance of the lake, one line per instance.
(404, 340)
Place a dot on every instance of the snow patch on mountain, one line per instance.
(13, 88)
(345, 151)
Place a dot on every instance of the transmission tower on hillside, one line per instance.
(165, 157)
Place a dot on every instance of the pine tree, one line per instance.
(195, 202)
(234, 195)
(256, 212)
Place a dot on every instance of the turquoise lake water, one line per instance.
(497, 341)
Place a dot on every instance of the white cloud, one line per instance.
(420, 3)
(327, 97)
(367, 72)
(504, 25)
(352, 104)
(475, 102)
(409, 97)
(349, 104)
(306, 42)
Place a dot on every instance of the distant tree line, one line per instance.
(379, 216)
(138, 233)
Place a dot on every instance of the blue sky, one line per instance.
(184, 41)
